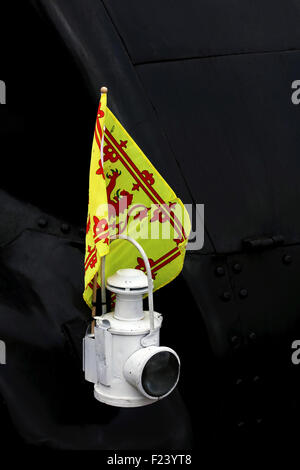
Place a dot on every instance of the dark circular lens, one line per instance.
(160, 374)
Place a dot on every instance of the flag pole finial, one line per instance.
(104, 89)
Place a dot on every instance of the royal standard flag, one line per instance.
(139, 203)
(97, 234)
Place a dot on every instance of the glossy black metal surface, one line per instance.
(205, 90)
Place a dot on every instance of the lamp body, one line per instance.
(123, 357)
(122, 340)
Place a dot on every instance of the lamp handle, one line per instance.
(149, 276)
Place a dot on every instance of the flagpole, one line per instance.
(102, 262)
(94, 299)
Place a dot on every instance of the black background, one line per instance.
(49, 117)
(46, 131)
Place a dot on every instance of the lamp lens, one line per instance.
(160, 374)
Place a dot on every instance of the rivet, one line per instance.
(42, 222)
(237, 268)
(243, 293)
(252, 336)
(226, 296)
(65, 228)
(287, 259)
(220, 271)
(235, 341)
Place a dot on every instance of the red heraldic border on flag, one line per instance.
(119, 153)
(141, 180)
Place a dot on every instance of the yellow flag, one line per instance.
(140, 204)
(97, 233)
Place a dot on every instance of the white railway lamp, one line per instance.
(123, 357)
